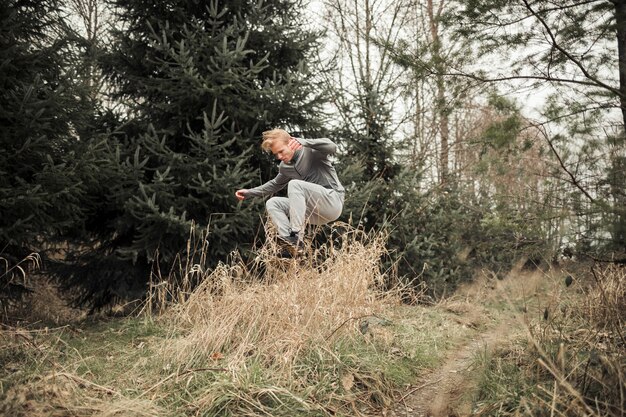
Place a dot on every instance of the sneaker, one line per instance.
(286, 253)
(292, 243)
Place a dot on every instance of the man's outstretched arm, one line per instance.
(265, 190)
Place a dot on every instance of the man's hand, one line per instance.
(241, 194)
(293, 144)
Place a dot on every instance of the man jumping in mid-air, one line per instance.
(314, 193)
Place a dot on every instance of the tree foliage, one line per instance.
(577, 49)
(41, 109)
(198, 83)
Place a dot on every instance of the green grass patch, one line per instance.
(501, 383)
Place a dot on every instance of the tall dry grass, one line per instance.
(237, 319)
(262, 337)
(14, 282)
(188, 269)
(276, 317)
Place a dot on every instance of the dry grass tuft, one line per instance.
(605, 302)
(35, 384)
(263, 335)
(62, 394)
(15, 282)
(187, 271)
(583, 348)
(229, 317)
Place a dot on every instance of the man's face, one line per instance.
(282, 151)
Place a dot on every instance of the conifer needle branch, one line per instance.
(569, 56)
(413, 62)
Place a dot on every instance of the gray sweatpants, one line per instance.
(306, 202)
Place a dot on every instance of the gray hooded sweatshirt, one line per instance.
(311, 163)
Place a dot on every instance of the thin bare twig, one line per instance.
(179, 374)
(574, 181)
(347, 320)
(419, 387)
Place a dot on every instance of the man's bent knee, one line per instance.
(272, 203)
(295, 185)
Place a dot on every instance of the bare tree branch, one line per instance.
(595, 80)
(574, 181)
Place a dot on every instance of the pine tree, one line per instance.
(40, 109)
(199, 82)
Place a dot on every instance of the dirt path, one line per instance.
(440, 393)
(446, 391)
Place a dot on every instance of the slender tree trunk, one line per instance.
(440, 104)
(618, 160)
(445, 131)
(417, 127)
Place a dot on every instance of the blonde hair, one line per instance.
(274, 135)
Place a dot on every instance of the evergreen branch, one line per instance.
(502, 24)
(570, 56)
(517, 77)
(406, 61)
(574, 113)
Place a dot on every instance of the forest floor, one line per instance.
(388, 359)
